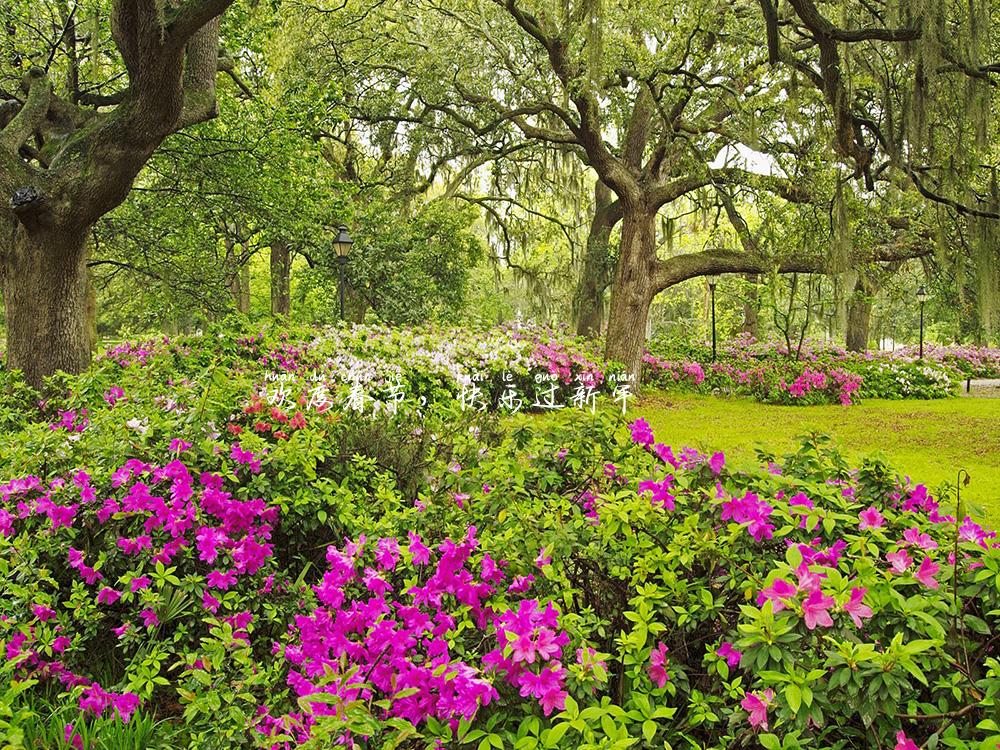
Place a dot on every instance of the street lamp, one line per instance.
(342, 244)
(921, 298)
(712, 281)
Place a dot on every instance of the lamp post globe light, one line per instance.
(921, 298)
(712, 281)
(342, 244)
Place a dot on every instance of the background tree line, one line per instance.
(165, 163)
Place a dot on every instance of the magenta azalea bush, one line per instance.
(816, 373)
(185, 564)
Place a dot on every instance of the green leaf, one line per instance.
(551, 737)
(793, 695)
(648, 729)
(977, 624)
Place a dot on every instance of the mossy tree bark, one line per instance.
(281, 272)
(859, 318)
(64, 164)
(46, 293)
(597, 264)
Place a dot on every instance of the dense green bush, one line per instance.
(198, 568)
(814, 374)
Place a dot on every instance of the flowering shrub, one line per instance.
(402, 644)
(971, 361)
(780, 381)
(770, 373)
(178, 553)
(537, 363)
(130, 556)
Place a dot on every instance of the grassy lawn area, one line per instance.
(928, 440)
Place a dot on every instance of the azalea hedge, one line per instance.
(815, 373)
(185, 565)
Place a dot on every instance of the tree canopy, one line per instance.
(600, 152)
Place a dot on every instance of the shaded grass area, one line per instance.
(926, 440)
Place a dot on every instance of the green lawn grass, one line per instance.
(927, 440)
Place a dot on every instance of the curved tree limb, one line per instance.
(23, 125)
(680, 268)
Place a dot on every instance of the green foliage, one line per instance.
(408, 271)
(654, 558)
(812, 373)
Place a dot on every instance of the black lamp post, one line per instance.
(342, 244)
(921, 298)
(712, 281)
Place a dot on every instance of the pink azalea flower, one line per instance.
(729, 653)
(870, 519)
(750, 510)
(179, 446)
(919, 538)
(523, 649)
(552, 700)
(716, 462)
(419, 552)
(642, 433)
(387, 553)
(113, 395)
(904, 743)
(71, 738)
(970, 531)
(856, 607)
(548, 644)
(658, 665)
(543, 558)
(925, 574)
(125, 705)
(778, 593)
(491, 571)
(808, 580)
(43, 613)
(108, 596)
(142, 582)
(900, 560)
(815, 609)
(60, 644)
(756, 706)
(218, 579)
(521, 584)
(149, 618)
(209, 602)
(660, 491)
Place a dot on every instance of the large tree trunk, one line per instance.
(47, 299)
(588, 302)
(91, 311)
(859, 317)
(633, 290)
(281, 270)
(63, 167)
(751, 307)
